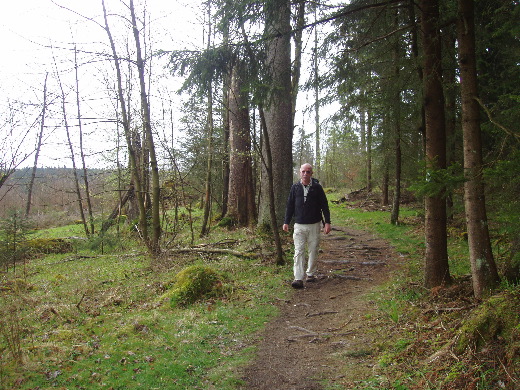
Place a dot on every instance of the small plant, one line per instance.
(391, 308)
(13, 235)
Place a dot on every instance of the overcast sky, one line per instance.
(38, 37)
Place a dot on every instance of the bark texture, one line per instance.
(278, 110)
(436, 268)
(241, 203)
(483, 268)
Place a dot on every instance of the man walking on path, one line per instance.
(308, 204)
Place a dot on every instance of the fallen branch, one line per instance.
(321, 313)
(215, 250)
(439, 309)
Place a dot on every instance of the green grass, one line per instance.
(95, 318)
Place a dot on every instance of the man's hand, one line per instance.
(285, 227)
(327, 228)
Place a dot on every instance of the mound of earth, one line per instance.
(320, 332)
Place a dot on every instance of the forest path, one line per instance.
(322, 330)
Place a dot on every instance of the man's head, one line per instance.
(306, 173)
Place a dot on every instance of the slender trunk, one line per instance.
(385, 184)
(207, 193)
(451, 112)
(72, 156)
(394, 217)
(82, 152)
(280, 259)
(415, 53)
(298, 45)
(316, 100)
(369, 151)
(145, 106)
(483, 268)
(38, 147)
(225, 126)
(134, 167)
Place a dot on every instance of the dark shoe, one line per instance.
(311, 278)
(297, 284)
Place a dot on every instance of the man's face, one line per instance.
(306, 173)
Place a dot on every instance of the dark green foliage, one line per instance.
(200, 68)
(433, 182)
(195, 283)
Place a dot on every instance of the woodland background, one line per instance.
(410, 101)
(427, 102)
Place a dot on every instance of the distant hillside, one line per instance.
(54, 191)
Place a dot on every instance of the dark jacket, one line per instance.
(312, 209)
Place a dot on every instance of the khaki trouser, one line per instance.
(306, 236)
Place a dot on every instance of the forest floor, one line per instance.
(324, 330)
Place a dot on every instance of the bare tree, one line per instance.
(72, 154)
(133, 159)
(209, 135)
(81, 149)
(145, 107)
(38, 148)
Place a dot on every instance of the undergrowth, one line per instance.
(98, 318)
(440, 338)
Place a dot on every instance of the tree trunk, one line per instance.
(133, 159)
(394, 217)
(209, 153)
(82, 152)
(241, 202)
(415, 52)
(298, 45)
(436, 270)
(72, 156)
(268, 162)
(278, 112)
(225, 126)
(369, 151)
(483, 268)
(38, 147)
(145, 106)
(451, 110)
(316, 101)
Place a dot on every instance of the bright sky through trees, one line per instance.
(39, 36)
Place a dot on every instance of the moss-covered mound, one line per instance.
(47, 246)
(196, 283)
(497, 318)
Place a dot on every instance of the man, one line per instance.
(307, 203)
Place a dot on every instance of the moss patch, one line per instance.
(47, 246)
(196, 283)
(498, 317)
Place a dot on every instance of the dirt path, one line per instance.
(326, 322)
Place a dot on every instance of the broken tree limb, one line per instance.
(215, 250)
